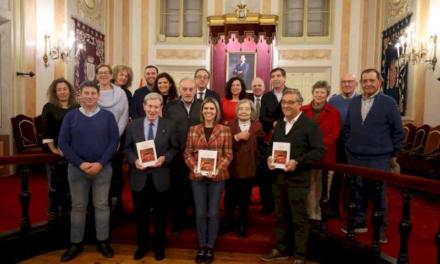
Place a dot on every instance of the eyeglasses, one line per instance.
(103, 72)
(290, 102)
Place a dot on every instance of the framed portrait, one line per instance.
(243, 65)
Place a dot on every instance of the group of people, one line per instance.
(96, 134)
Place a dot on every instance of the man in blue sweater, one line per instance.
(341, 102)
(373, 136)
(88, 139)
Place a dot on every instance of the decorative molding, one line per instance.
(396, 10)
(304, 78)
(91, 11)
(309, 54)
(180, 54)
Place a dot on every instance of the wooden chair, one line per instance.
(424, 162)
(432, 144)
(409, 131)
(25, 135)
(419, 140)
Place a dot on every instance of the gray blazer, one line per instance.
(166, 145)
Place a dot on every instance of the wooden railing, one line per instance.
(406, 182)
(22, 162)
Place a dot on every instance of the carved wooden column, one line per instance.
(405, 228)
(352, 208)
(377, 216)
(324, 203)
(25, 197)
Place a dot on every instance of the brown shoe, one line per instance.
(274, 255)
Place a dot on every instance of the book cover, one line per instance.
(207, 162)
(280, 154)
(146, 153)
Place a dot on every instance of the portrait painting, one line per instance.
(243, 65)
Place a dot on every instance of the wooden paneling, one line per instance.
(29, 89)
(345, 38)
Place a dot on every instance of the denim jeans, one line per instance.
(207, 202)
(365, 188)
(80, 184)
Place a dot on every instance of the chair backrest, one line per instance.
(409, 131)
(432, 143)
(420, 137)
(39, 127)
(25, 133)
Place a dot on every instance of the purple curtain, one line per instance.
(91, 55)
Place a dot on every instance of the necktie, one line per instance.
(150, 132)
(257, 107)
(201, 96)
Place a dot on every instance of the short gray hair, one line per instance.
(294, 91)
(322, 84)
(253, 111)
(153, 96)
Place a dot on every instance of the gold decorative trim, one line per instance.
(251, 18)
(309, 54)
(395, 10)
(181, 54)
(90, 10)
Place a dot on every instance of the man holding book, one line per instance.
(300, 140)
(150, 180)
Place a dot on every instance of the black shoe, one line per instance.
(140, 253)
(105, 249)
(209, 255)
(242, 231)
(266, 210)
(73, 251)
(159, 254)
(200, 256)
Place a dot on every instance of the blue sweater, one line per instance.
(340, 103)
(88, 139)
(380, 134)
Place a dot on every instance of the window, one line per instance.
(181, 18)
(306, 18)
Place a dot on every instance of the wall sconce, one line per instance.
(416, 51)
(60, 49)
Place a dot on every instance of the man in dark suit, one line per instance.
(270, 102)
(291, 185)
(202, 77)
(270, 113)
(263, 175)
(137, 108)
(184, 113)
(149, 185)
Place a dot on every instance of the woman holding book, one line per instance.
(213, 138)
(245, 133)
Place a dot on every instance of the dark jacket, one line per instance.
(270, 110)
(166, 145)
(246, 154)
(306, 147)
(176, 112)
(137, 102)
(380, 134)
